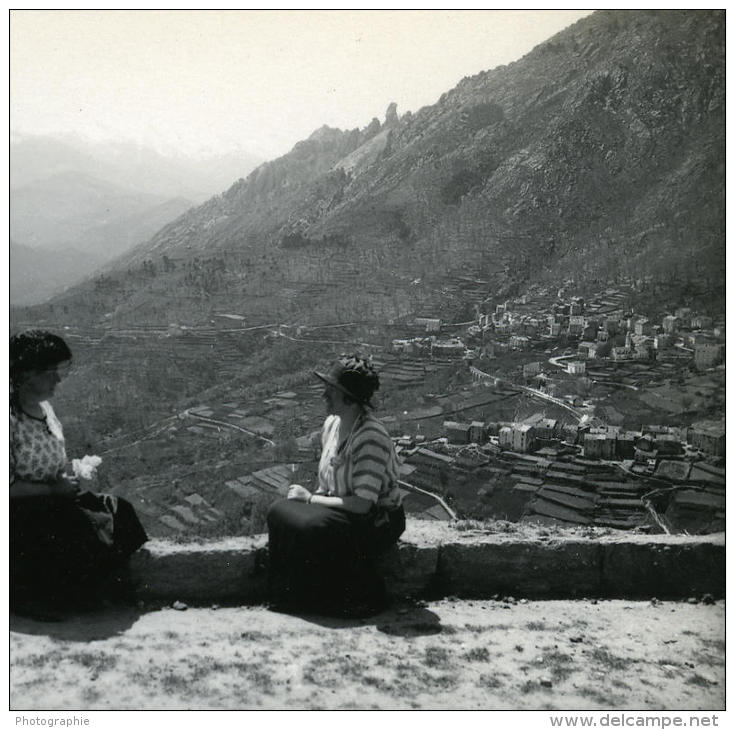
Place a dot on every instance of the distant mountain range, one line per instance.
(37, 275)
(89, 204)
(126, 165)
(599, 154)
(74, 209)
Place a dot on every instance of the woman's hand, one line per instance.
(299, 493)
(65, 487)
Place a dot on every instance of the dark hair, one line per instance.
(35, 350)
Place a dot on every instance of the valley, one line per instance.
(535, 263)
(204, 427)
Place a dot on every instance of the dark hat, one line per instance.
(35, 350)
(355, 377)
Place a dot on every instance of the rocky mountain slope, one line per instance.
(599, 154)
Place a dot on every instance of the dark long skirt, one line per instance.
(323, 559)
(55, 551)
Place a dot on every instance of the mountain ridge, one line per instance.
(599, 154)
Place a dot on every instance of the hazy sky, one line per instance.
(214, 81)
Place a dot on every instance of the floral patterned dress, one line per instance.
(56, 544)
(37, 449)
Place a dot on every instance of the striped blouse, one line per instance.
(367, 466)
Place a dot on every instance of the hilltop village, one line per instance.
(587, 456)
(550, 408)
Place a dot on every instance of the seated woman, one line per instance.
(63, 542)
(322, 546)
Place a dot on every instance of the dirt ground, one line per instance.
(448, 654)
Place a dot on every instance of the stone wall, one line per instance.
(438, 559)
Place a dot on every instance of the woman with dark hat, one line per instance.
(63, 542)
(322, 545)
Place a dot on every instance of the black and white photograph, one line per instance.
(367, 360)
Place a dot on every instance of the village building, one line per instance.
(492, 428)
(517, 326)
(599, 446)
(523, 437)
(625, 444)
(708, 354)
(653, 429)
(477, 432)
(589, 332)
(432, 460)
(587, 350)
(536, 322)
(576, 324)
(457, 433)
(612, 324)
(570, 433)
(670, 324)
(519, 342)
(430, 324)
(453, 347)
(517, 437)
(642, 327)
(645, 349)
(645, 442)
(546, 428)
(680, 433)
(530, 369)
(709, 437)
(662, 341)
(576, 367)
(701, 322)
(544, 383)
(621, 353)
(606, 429)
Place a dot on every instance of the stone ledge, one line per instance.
(233, 569)
(441, 560)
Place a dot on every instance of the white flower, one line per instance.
(86, 467)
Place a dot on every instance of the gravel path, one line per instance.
(449, 654)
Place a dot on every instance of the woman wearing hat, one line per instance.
(63, 541)
(322, 545)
